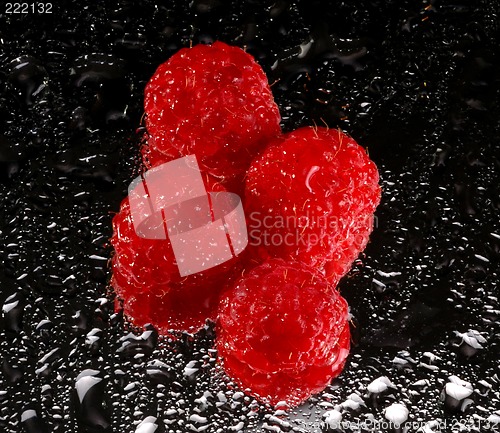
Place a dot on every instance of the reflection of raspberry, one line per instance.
(213, 101)
(310, 197)
(147, 280)
(283, 332)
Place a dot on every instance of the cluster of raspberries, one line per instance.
(309, 198)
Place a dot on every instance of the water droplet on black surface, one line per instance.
(159, 372)
(457, 395)
(29, 78)
(102, 87)
(31, 422)
(407, 329)
(90, 392)
(13, 311)
(98, 167)
(12, 372)
(132, 345)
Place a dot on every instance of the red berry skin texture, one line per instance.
(213, 101)
(148, 283)
(310, 196)
(282, 332)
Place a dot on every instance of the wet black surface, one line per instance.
(417, 83)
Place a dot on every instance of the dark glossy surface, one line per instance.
(417, 83)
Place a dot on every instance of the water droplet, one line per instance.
(29, 78)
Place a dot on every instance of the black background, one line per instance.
(415, 82)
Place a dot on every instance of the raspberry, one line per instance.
(282, 332)
(310, 197)
(147, 280)
(213, 101)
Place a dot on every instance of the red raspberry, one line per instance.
(310, 197)
(282, 332)
(147, 280)
(212, 101)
